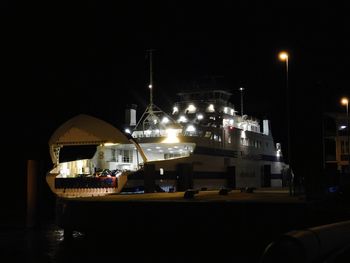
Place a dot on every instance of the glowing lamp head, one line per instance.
(191, 108)
(344, 101)
(211, 108)
(191, 128)
(150, 86)
(283, 56)
(200, 116)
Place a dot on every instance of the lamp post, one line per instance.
(345, 102)
(283, 56)
(241, 89)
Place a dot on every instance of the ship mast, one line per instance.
(150, 79)
(151, 118)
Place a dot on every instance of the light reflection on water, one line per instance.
(45, 244)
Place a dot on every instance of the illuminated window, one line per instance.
(245, 141)
(227, 122)
(207, 134)
(148, 133)
(126, 155)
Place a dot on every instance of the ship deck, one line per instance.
(267, 195)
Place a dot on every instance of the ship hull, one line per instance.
(211, 172)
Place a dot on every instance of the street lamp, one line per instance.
(345, 102)
(283, 56)
(241, 89)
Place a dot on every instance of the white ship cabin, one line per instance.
(211, 109)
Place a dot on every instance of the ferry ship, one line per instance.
(202, 144)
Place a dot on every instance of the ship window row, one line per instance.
(213, 136)
(171, 155)
(216, 138)
(252, 143)
(255, 128)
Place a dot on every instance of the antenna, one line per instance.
(150, 78)
(151, 119)
(241, 89)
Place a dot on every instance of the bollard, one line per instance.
(32, 193)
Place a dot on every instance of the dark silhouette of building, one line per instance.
(336, 150)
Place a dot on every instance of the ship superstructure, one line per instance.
(222, 148)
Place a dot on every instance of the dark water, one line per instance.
(40, 245)
(160, 232)
(47, 244)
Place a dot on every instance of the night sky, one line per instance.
(63, 58)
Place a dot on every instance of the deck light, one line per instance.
(191, 108)
(182, 119)
(165, 120)
(191, 128)
(171, 136)
(175, 110)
